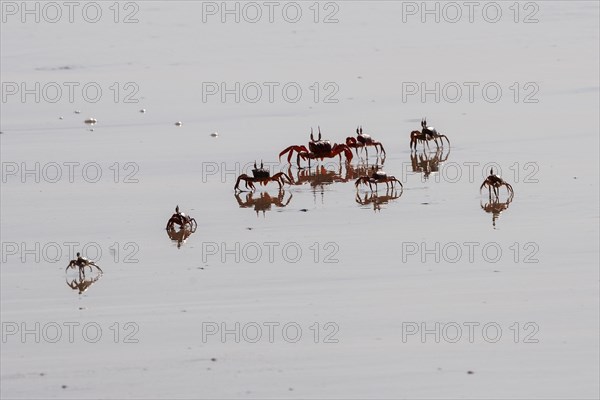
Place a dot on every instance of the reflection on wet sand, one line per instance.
(82, 284)
(363, 168)
(376, 200)
(495, 207)
(321, 175)
(263, 201)
(425, 164)
(180, 235)
(317, 177)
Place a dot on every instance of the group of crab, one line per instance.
(321, 149)
(318, 149)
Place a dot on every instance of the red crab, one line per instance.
(362, 140)
(317, 149)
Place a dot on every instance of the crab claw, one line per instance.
(71, 265)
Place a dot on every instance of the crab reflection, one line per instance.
(317, 177)
(180, 235)
(263, 201)
(495, 207)
(81, 283)
(321, 175)
(426, 164)
(362, 169)
(377, 200)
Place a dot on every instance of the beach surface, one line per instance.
(320, 291)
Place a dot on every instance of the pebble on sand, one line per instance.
(91, 121)
(178, 123)
(77, 112)
(214, 134)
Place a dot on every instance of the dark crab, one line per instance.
(426, 134)
(495, 182)
(81, 263)
(362, 140)
(317, 150)
(182, 220)
(262, 176)
(378, 176)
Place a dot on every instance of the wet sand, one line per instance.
(377, 285)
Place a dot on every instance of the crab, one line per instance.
(378, 176)
(82, 263)
(317, 149)
(362, 140)
(182, 220)
(495, 182)
(263, 176)
(426, 134)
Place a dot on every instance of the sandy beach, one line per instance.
(322, 290)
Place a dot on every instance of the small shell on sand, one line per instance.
(77, 112)
(143, 110)
(178, 123)
(91, 121)
(214, 134)
(60, 117)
